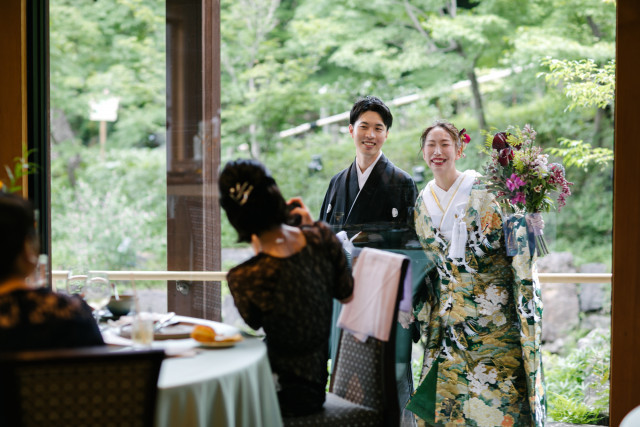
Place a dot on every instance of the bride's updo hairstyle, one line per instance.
(250, 197)
(447, 126)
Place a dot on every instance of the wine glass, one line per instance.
(76, 282)
(97, 292)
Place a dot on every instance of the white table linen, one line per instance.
(216, 387)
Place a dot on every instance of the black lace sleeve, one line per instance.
(343, 280)
(244, 291)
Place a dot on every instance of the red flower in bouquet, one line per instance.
(520, 175)
(500, 141)
(505, 156)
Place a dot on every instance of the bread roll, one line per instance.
(203, 333)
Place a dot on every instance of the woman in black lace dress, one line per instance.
(34, 319)
(288, 286)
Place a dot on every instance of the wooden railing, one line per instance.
(193, 276)
(216, 276)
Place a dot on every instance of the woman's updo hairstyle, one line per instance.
(251, 198)
(447, 126)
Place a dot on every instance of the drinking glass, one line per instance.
(97, 292)
(76, 282)
(142, 330)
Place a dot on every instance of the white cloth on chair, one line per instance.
(376, 278)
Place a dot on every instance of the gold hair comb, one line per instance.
(240, 193)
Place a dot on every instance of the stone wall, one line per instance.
(569, 307)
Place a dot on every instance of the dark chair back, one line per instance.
(363, 389)
(94, 386)
(365, 375)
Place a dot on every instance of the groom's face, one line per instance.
(369, 133)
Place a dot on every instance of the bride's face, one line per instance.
(440, 151)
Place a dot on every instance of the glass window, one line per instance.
(134, 143)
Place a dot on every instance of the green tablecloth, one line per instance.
(219, 387)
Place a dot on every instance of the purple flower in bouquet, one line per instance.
(514, 182)
(518, 198)
(558, 178)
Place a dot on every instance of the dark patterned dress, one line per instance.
(291, 299)
(39, 319)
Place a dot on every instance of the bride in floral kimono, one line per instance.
(482, 319)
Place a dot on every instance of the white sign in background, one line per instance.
(104, 110)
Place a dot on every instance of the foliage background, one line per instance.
(288, 62)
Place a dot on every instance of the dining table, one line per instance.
(203, 386)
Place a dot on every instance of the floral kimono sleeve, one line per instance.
(426, 296)
(528, 300)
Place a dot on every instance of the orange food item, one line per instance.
(203, 333)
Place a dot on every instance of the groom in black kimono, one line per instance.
(372, 196)
(375, 198)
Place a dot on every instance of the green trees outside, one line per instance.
(114, 48)
(108, 212)
(289, 62)
(286, 62)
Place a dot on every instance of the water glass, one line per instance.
(97, 290)
(76, 282)
(142, 330)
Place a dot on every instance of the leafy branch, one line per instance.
(21, 167)
(581, 154)
(585, 83)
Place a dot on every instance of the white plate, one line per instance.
(218, 344)
(223, 342)
(171, 332)
(220, 328)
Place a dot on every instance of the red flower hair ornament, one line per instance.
(465, 139)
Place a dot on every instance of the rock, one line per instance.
(561, 310)
(555, 346)
(592, 295)
(597, 338)
(556, 262)
(561, 307)
(592, 321)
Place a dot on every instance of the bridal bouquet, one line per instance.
(523, 180)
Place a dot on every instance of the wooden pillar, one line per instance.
(193, 153)
(211, 145)
(24, 107)
(13, 102)
(625, 299)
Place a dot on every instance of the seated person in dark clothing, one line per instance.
(288, 286)
(34, 319)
